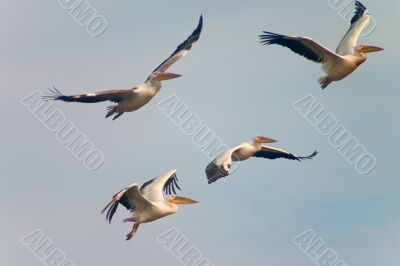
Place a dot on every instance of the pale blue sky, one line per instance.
(239, 88)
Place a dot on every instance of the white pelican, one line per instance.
(337, 65)
(148, 203)
(221, 165)
(133, 99)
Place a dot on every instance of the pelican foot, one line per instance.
(129, 236)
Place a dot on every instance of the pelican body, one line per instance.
(221, 165)
(337, 65)
(132, 99)
(148, 204)
(142, 94)
(246, 150)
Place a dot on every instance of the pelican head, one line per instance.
(161, 76)
(260, 139)
(368, 49)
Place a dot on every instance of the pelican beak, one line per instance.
(166, 76)
(260, 139)
(371, 49)
(182, 200)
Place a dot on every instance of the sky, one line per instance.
(239, 89)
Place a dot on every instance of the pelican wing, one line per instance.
(219, 167)
(274, 153)
(182, 49)
(303, 46)
(358, 23)
(153, 189)
(94, 97)
(130, 197)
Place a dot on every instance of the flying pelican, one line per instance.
(221, 165)
(337, 65)
(148, 203)
(133, 99)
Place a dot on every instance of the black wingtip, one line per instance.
(175, 181)
(199, 27)
(117, 115)
(310, 156)
(269, 34)
(360, 9)
(53, 94)
(213, 180)
(360, 5)
(268, 37)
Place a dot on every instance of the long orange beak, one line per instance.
(371, 49)
(182, 200)
(260, 139)
(166, 76)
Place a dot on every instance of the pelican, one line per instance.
(337, 65)
(221, 165)
(135, 98)
(148, 203)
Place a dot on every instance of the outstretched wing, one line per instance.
(182, 49)
(219, 167)
(358, 23)
(93, 97)
(130, 197)
(153, 189)
(274, 153)
(303, 46)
